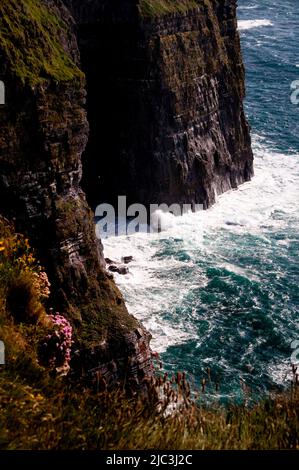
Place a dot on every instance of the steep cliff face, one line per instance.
(43, 132)
(166, 85)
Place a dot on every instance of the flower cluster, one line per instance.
(16, 248)
(57, 345)
(42, 284)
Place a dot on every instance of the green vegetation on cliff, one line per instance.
(61, 417)
(152, 8)
(39, 55)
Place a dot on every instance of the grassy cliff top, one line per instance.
(153, 8)
(30, 40)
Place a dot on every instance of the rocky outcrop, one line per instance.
(43, 132)
(166, 88)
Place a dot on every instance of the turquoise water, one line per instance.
(219, 289)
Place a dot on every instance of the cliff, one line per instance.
(165, 100)
(165, 85)
(43, 132)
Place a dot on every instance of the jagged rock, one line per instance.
(118, 269)
(127, 259)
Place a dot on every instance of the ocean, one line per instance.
(218, 289)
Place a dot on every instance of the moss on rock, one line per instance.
(30, 41)
(153, 8)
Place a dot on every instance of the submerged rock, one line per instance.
(118, 269)
(127, 259)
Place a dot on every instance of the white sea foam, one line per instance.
(250, 24)
(157, 283)
(281, 373)
(252, 7)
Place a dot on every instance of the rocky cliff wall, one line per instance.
(166, 87)
(43, 132)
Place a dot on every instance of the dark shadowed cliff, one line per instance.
(165, 85)
(165, 91)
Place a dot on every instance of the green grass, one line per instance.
(60, 416)
(30, 40)
(153, 8)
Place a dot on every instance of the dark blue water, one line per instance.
(219, 289)
(271, 55)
